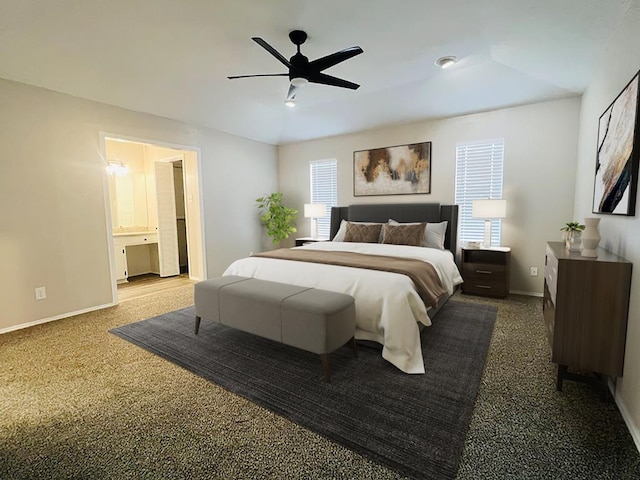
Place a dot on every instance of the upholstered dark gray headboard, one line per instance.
(401, 212)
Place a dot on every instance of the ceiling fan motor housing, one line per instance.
(299, 66)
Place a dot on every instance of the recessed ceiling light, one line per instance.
(290, 103)
(446, 62)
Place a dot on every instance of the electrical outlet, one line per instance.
(534, 271)
(41, 293)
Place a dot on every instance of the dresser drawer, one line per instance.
(551, 274)
(549, 313)
(135, 239)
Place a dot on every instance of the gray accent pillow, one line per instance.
(434, 233)
(403, 234)
(362, 233)
(343, 229)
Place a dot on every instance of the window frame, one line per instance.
(479, 175)
(329, 197)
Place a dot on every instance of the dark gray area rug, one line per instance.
(414, 424)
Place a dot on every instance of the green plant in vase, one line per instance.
(278, 218)
(572, 234)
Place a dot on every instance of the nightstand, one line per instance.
(486, 271)
(304, 240)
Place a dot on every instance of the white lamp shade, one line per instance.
(489, 209)
(315, 210)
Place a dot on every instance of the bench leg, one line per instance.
(353, 346)
(197, 324)
(325, 366)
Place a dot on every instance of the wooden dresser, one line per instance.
(586, 304)
(486, 271)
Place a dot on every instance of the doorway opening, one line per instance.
(154, 216)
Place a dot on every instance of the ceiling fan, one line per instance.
(301, 70)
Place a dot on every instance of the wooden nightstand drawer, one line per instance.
(485, 287)
(483, 270)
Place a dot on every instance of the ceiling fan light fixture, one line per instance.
(290, 103)
(299, 82)
(301, 71)
(446, 62)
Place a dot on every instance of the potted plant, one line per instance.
(278, 218)
(572, 234)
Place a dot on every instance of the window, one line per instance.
(324, 189)
(479, 168)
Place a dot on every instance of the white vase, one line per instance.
(590, 237)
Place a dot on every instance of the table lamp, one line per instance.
(489, 209)
(315, 211)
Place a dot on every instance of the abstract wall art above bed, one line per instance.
(398, 170)
(616, 176)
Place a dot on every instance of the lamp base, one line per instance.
(487, 234)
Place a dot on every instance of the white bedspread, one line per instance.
(387, 304)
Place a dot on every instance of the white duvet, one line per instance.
(388, 307)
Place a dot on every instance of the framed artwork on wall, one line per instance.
(398, 170)
(616, 175)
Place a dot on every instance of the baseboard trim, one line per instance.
(529, 294)
(626, 416)
(53, 319)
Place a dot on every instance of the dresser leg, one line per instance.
(562, 370)
(603, 385)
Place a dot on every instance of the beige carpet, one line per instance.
(78, 402)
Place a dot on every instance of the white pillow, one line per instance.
(434, 233)
(343, 230)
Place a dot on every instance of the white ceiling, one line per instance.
(171, 57)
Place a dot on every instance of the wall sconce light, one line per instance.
(119, 169)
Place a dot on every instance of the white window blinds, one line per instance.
(479, 168)
(324, 189)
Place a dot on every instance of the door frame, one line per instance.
(195, 224)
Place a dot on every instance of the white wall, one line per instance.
(539, 171)
(619, 234)
(53, 226)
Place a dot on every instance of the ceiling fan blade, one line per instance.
(292, 92)
(272, 51)
(335, 58)
(259, 75)
(325, 79)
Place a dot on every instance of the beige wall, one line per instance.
(53, 225)
(539, 170)
(619, 234)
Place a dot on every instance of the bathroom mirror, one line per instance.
(128, 194)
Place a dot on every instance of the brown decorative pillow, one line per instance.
(359, 232)
(404, 234)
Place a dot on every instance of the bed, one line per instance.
(390, 306)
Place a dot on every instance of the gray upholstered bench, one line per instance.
(314, 320)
